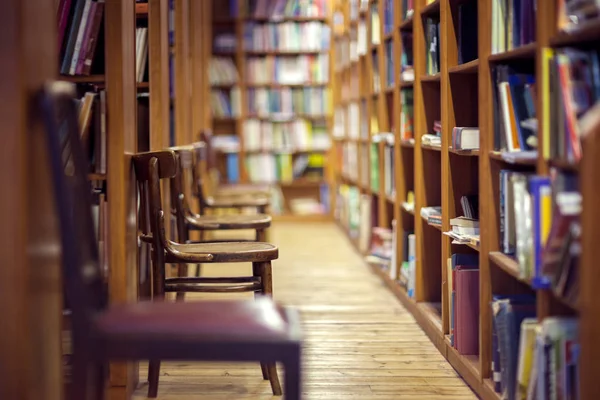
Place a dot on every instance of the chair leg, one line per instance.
(256, 268)
(265, 371)
(99, 381)
(266, 278)
(182, 272)
(293, 381)
(153, 376)
(274, 379)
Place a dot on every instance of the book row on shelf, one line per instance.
(288, 70)
(278, 9)
(222, 71)
(79, 31)
(314, 101)
(513, 24)
(92, 122)
(295, 136)
(226, 103)
(141, 54)
(310, 36)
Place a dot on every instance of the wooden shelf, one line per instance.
(436, 226)
(143, 85)
(96, 177)
(141, 9)
(466, 153)
(390, 199)
(225, 119)
(472, 67)
(408, 144)
(406, 84)
(301, 218)
(565, 165)
(521, 53)
(431, 148)
(407, 24)
(432, 9)
(589, 32)
(507, 264)
(282, 53)
(432, 78)
(286, 85)
(279, 20)
(498, 156)
(91, 79)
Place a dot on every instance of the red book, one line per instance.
(63, 18)
(467, 311)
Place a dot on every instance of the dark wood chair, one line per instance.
(211, 194)
(256, 330)
(151, 168)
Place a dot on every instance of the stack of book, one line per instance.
(433, 215)
(464, 230)
(79, 23)
(513, 24)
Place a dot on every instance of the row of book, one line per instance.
(287, 36)
(357, 6)
(533, 359)
(432, 46)
(79, 31)
(571, 90)
(388, 16)
(222, 71)
(406, 114)
(288, 70)
(515, 121)
(273, 168)
(407, 73)
(539, 226)
(92, 125)
(375, 24)
(376, 87)
(513, 24)
(277, 9)
(407, 9)
(286, 102)
(297, 136)
(225, 103)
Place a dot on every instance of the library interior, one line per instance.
(272, 199)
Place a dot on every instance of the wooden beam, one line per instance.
(121, 144)
(182, 74)
(30, 289)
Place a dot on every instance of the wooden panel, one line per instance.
(121, 143)
(30, 289)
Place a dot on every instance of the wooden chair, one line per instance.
(150, 168)
(211, 194)
(256, 330)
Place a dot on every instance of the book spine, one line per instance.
(80, 33)
(63, 19)
(86, 38)
(94, 38)
(72, 38)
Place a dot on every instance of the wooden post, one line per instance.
(121, 188)
(182, 75)
(30, 289)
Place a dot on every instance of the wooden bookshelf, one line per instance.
(224, 20)
(461, 95)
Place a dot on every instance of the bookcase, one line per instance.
(448, 109)
(270, 94)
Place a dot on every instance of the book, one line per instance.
(465, 138)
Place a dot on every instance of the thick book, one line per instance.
(458, 261)
(467, 310)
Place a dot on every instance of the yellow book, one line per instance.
(526, 354)
(547, 57)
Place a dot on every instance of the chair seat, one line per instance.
(158, 325)
(235, 221)
(224, 252)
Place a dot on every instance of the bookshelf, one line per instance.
(259, 99)
(459, 91)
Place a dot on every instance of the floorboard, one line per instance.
(360, 342)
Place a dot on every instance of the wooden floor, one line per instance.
(360, 342)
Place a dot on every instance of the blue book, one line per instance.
(233, 168)
(541, 193)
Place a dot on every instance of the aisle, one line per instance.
(360, 341)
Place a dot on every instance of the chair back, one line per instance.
(213, 178)
(179, 195)
(84, 284)
(150, 168)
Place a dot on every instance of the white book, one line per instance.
(80, 34)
